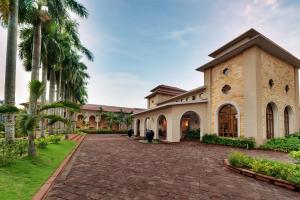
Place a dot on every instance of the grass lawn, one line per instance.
(23, 178)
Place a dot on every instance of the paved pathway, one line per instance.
(115, 167)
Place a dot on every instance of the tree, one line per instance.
(9, 12)
(29, 121)
(111, 118)
(128, 119)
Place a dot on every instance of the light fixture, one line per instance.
(186, 123)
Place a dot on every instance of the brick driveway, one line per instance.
(115, 167)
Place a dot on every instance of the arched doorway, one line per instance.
(162, 127)
(188, 122)
(138, 124)
(288, 120)
(92, 121)
(228, 121)
(147, 124)
(271, 120)
(80, 122)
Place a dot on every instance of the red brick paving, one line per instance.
(114, 167)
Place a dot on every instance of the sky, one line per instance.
(139, 44)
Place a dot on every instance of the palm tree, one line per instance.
(128, 119)
(110, 118)
(29, 121)
(9, 11)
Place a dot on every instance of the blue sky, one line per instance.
(139, 44)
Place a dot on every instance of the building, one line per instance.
(93, 116)
(251, 89)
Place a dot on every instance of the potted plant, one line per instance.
(149, 135)
(130, 132)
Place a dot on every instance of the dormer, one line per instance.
(162, 93)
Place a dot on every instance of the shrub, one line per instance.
(2, 128)
(284, 171)
(11, 151)
(282, 144)
(295, 155)
(42, 143)
(193, 134)
(296, 134)
(54, 139)
(240, 142)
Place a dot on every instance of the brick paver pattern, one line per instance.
(115, 167)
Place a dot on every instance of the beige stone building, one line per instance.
(251, 89)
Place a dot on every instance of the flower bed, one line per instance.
(278, 170)
(245, 143)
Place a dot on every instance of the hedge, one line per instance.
(285, 171)
(288, 144)
(193, 134)
(100, 131)
(240, 142)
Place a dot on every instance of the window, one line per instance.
(181, 100)
(152, 101)
(228, 124)
(271, 83)
(226, 71)
(270, 121)
(287, 88)
(226, 89)
(193, 97)
(187, 99)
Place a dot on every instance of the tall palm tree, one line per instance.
(9, 11)
(110, 118)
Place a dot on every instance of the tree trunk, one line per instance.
(51, 95)
(36, 57)
(10, 70)
(43, 97)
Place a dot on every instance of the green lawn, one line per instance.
(23, 178)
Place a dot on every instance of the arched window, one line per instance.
(228, 123)
(270, 121)
(138, 123)
(288, 120)
(162, 127)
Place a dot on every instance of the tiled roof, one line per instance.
(105, 108)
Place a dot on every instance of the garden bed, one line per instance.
(22, 178)
(281, 174)
(239, 142)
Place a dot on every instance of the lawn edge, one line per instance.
(45, 188)
(261, 177)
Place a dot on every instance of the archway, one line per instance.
(271, 120)
(162, 127)
(80, 122)
(189, 121)
(228, 121)
(288, 120)
(147, 124)
(138, 124)
(92, 121)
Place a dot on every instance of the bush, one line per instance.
(42, 143)
(284, 171)
(193, 134)
(2, 128)
(11, 151)
(295, 155)
(282, 144)
(54, 139)
(297, 134)
(103, 131)
(240, 142)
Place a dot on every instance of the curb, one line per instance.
(45, 188)
(262, 177)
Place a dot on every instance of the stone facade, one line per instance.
(247, 74)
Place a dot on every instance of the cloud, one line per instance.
(182, 36)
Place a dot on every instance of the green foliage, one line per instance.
(42, 143)
(8, 109)
(296, 134)
(54, 139)
(282, 144)
(36, 89)
(295, 155)
(9, 152)
(193, 134)
(2, 128)
(23, 178)
(103, 131)
(240, 142)
(62, 104)
(284, 171)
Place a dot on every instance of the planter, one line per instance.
(130, 132)
(149, 135)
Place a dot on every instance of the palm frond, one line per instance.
(8, 109)
(62, 104)
(55, 118)
(36, 88)
(27, 122)
(77, 8)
